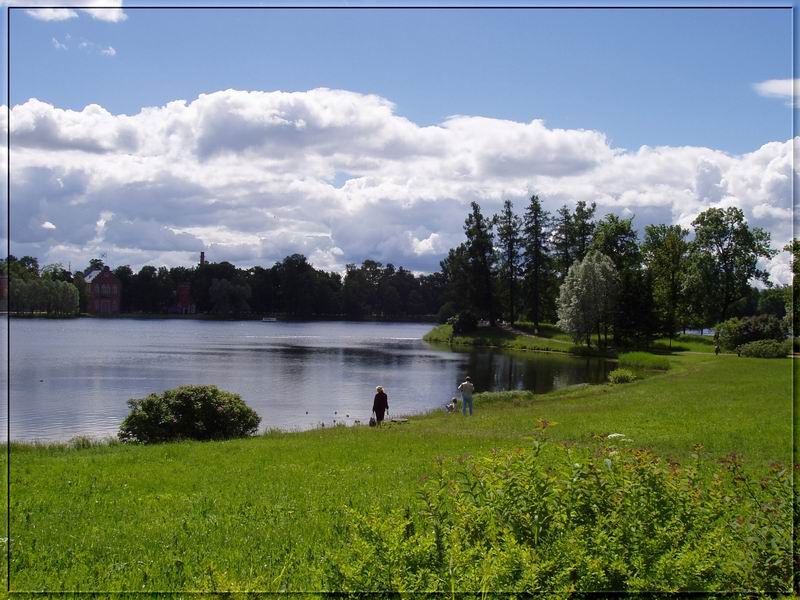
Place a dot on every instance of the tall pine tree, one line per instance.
(537, 263)
(480, 250)
(563, 241)
(509, 237)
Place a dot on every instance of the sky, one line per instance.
(146, 136)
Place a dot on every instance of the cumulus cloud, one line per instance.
(251, 176)
(779, 88)
(109, 51)
(103, 10)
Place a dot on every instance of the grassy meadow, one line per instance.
(263, 513)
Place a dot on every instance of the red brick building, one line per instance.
(183, 301)
(103, 291)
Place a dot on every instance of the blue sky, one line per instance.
(657, 77)
(654, 114)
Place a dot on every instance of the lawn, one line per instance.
(261, 513)
(494, 337)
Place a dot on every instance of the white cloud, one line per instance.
(48, 225)
(250, 177)
(52, 14)
(108, 51)
(103, 10)
(779, 88)
(58, 45)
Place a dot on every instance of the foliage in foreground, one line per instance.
(621, 376)
(196, 412)
(559, 518)
(643, 360)
(764, 349)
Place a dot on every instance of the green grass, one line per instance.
(260, 513)
(644, 361)
(686, 343)
(494, 337)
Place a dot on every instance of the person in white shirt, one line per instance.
(466, 390)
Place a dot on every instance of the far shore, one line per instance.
(208, 317)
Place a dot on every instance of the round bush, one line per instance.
(463, 322)
(764, 349)
(196, 412)
(446, 312)
(735, 332)
(621, 376)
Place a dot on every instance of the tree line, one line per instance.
(291, 287)
(598, 280)
(595, 277)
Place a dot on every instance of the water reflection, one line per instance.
(74, 377)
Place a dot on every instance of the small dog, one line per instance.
(451, 408)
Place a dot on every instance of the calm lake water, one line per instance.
(73, 377)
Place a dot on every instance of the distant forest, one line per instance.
(510, 267)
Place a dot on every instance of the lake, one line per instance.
(73, 377)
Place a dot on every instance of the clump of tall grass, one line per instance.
(643, 361)
(563, 519)
(621, 376)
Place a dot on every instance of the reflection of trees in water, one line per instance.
(543, 373)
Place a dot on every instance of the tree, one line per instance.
(537, 263)
(792, 299)
(125, 275)
(666, 253)
(56, 272)
(95, 264)
(730, 250)
(563, 241)
(634, 318)
(455, 271)
(26, 268)
(583, 228)
(229, 299)
(586, 298)
(480, 250)
(616, 238)
(509, 228)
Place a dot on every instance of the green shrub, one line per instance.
(735, 332)
(764, 349)
(197, 412)
(621, 376)
(643, 360)
(565, 519)
(446, 312)
(463, 322)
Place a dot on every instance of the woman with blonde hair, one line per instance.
(380, 405)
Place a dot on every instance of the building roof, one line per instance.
(90, 277)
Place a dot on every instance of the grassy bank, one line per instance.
(494, 337)
(548, 338)
(262, 513)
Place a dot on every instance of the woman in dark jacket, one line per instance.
(380, 405)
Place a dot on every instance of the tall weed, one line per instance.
(555, 518)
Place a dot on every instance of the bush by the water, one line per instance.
(735, 332)
(621, 376)
(463, 322)
(643, 360)
(764, 349)
(565, 519)
(447, 311)
(196, 412)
